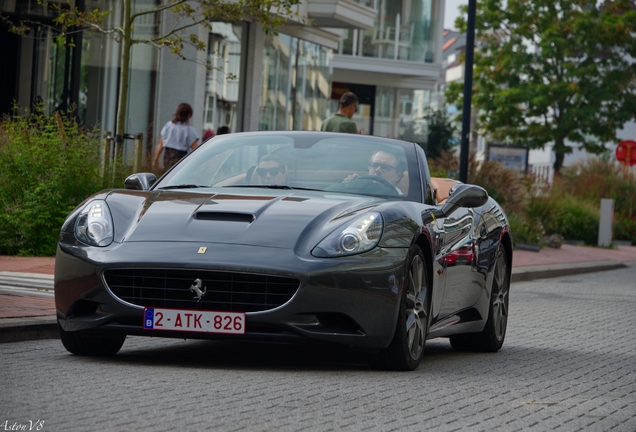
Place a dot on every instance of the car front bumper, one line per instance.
(348, 300)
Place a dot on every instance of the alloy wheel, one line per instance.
(500, 296)
(416, 308)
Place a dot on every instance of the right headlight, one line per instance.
(94, 224)
(361, 235)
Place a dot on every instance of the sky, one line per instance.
(451, 12)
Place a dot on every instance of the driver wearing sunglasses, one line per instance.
(386, 165)
(271, 171)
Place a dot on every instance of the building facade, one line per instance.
(388, 52)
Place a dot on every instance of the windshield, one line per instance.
(302, 160)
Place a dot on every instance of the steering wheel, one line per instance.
(377, 179)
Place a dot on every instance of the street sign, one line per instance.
(626, 152)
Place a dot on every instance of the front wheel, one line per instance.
(87, 344)
(407, 347)
(492, 337)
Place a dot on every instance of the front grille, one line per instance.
(225, 291)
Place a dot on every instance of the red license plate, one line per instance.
(194, 321)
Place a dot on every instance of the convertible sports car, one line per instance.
(285, 236)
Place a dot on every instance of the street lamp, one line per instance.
(468, 92)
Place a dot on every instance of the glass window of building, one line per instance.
(403, 30)
(296, 84)
(225, 46)
(399, 113)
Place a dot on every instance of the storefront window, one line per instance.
(99, 77)
(296, 87)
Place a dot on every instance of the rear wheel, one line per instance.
(407, 347)
(91, 344)
(492, 337)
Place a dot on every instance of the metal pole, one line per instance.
(468, 92)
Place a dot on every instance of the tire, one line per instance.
(407, 347)
(492, 336)
(87, 344)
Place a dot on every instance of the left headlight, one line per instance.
(94, 225)
(361, 235)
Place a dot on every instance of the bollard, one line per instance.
(138, 151)
(119, 152)
(606, 223)
(105, 154)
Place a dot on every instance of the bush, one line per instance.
(561, 213)
(504, 185)
(48, 165)
(524, 230)
(577, 220)
(597, 178)
(625, 229)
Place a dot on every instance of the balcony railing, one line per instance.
(342, 13)
(411, 41)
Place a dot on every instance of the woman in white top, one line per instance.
(177, 137)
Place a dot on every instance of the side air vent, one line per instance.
(224, 216)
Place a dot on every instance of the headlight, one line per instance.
(94, 225)
(362, 235)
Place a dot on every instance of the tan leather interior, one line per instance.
(442, 187)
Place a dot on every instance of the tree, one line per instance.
(440, 133)
(187, 14)
(553, 70)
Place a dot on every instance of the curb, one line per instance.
(27, 329)
(529, 273)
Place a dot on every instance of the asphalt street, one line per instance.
(568, 364)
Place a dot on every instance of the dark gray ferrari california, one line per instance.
(287, 236)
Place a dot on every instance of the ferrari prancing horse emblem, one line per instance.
(196, 288)
(202, 249)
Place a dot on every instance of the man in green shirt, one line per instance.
(341, 121)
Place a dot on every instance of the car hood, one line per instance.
(258, 217)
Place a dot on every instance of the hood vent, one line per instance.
(224, 216)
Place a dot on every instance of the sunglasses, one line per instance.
(273, 172)
(383, 167)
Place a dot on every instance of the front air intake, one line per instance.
(225, 291)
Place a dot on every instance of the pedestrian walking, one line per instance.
(177, 137)
(341, 121)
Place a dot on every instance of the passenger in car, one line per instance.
(270, 171)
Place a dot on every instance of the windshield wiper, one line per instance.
(285, 187)
(182, 186)
(262, 186)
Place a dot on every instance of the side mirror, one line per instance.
(141, 181)
(466, 196)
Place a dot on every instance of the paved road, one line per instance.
(569, 364)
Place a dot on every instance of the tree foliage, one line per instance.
(553, 71)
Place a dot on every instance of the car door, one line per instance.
(463, 285)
